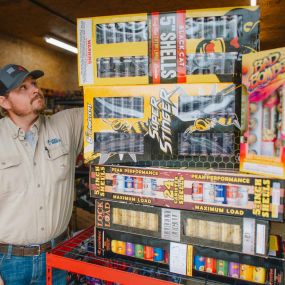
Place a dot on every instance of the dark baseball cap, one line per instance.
(12, 75)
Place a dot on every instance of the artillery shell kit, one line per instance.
(233, 194)
(179, 123)
(175, 47)
(243, 235)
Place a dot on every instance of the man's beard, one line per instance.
(41, 108)
(36, 111)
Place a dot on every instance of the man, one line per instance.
(37, 163)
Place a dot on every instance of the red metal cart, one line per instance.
(57, 259)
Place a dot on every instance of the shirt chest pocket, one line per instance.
(10, 175)
(59, 161)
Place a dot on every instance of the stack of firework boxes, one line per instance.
(164, 90)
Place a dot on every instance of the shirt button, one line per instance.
(39, 185)
(42, 228)
(35, 163)
(41, 207)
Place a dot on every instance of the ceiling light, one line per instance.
(60, 44)
(253, 2)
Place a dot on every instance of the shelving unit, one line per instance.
(121, 119)
(69, 256)
(57, 259)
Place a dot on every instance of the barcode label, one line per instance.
(170, 224)
(260, 239)
(178, 258)
(248, 236)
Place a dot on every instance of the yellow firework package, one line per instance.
(263, 147)
(176, 47)
(147, 123)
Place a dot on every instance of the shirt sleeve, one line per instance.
(74, 121)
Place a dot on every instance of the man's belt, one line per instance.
(32, 250)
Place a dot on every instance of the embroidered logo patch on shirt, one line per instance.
(54, 141)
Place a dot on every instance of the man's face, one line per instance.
(26, 99)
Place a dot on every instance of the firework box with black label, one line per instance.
(244, 235)
(263, 148)
(184, 124)
(176, 47)
(184, 259)
(221, 265)
(174, 256)
(234, 194)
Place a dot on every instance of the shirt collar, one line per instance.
(17, 132)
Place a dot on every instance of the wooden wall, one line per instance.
(60, 68)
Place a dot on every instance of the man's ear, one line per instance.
(4, 103)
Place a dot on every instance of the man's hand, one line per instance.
(1, 281)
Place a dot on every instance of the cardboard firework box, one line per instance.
(221, 265)
(233, 194)
(244, 235)
(181, 258)
(176, 47)
(170, 124)
(263, 146)
(148, 251)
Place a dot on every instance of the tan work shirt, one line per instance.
(37, 185)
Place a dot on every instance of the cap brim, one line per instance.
(36, 74)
